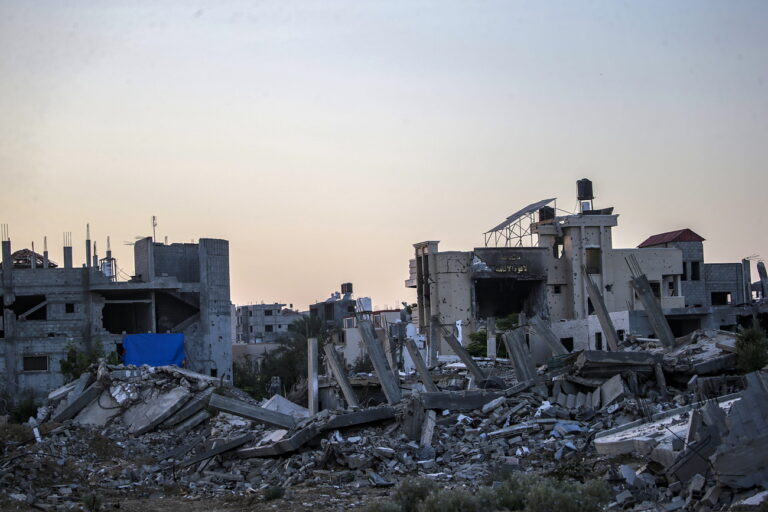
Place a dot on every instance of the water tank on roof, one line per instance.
(346, 288)
(546, 213)
(584, 187)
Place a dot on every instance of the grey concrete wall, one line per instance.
(215, 319)
(208, 341)
(726, 277)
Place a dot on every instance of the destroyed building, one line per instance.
(331, 311)
(177, 288)
(264, 323)
(539, 261)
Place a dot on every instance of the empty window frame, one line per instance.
(267, 312)
(35, 363)
(598, 341)
(593, 261)
(269, 328)
(557, 289)
(695, 271)
(69, 307)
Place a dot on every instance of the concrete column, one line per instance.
(7, 263)
(464, 356)
(67, 257)
(609, 331)
(490, 328)
(33, 259)
(421, 367)
(389, 384)
(312, 385)
(337, 368)
(87, 253)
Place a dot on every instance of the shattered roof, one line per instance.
(23, 259)
(681, 235)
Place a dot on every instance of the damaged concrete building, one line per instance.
(539, 261)
(47, 308)
(264, 323)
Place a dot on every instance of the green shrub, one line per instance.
(478, 345)
(23, 410)
(454, 501)
(383, 506)
(507, 323)
(752, 349)
(411, 493)
(549, 495)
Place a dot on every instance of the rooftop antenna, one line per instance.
(154, 226)
(4, 232)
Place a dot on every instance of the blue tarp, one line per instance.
(154, 349)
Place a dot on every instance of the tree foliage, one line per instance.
(288, 361)
(752, 349)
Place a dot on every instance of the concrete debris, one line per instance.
(663, 441)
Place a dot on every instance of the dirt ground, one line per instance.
(296, 499)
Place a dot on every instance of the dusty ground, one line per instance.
(296, 499)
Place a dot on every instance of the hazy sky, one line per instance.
(324, 138)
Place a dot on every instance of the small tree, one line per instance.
(752, 349)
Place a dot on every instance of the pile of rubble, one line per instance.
(668, 429)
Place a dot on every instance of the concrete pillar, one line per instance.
(337, 368)
(33, 259)
(312, 385)
(389, 384)
(421, 367)
(490, 329)
(7, 263)
(609, 331)
(67, 257)
(460, 351)
(87, 253)
(763, 278)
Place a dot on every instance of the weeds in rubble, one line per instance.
(23, 410)
(567, 496)
(92, 502)
(103, 447)
(752, 349)
(411, 493)
(14, 433)
(77, 361)
(273, 493)
(517, 492)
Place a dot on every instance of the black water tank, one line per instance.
(546, 213)
(346, 288)
(585, 190)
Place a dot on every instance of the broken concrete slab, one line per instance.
(291, 444)
(252, 412)
(549, 337)
(597, 363)
(612, 390)
(279, 403)
(370, 415)
(192, 422)
(458, 400)
(145, 416)
(76, 403)
(98, 412)
(390, 384)
(191, 408)
(218, 449)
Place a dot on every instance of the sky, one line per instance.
(324, 139)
